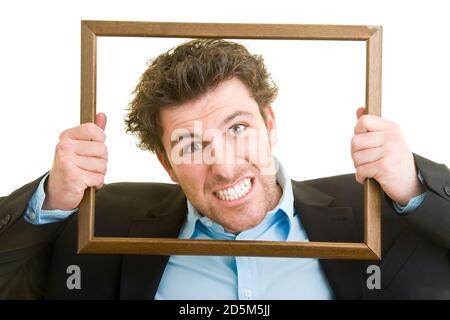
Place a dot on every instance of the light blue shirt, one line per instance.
(34, 213)
(243, 278)
(246, 278)
(413, 203)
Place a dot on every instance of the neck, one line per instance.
(276, 197)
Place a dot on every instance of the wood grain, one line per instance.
(87, 114)
(163, 246)
(369, 250)
(372, 190)
(230, 30)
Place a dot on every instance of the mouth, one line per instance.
(237, 192)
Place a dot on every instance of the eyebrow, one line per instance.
(235, 115)
(228, 119)
(183, 136)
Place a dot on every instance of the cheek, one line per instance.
(191, 177)
(258, 150)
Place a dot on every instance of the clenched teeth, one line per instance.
(235, 192)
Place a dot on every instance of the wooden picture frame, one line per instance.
(372, 35)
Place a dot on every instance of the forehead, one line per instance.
(211, 108)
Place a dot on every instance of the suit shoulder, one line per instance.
(130, 200)
(333, 182)
(137, 189)
(135, 193)
(345, 190)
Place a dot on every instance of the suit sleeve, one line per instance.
(432, 217)
(25, 249)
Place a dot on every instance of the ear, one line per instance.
(167, 166)
(270, 118)
(271, 126)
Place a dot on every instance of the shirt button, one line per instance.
(32, 215)
(248, 293)
(209, 223)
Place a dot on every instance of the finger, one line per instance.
(370, 123)
(92, 164)
(368, 170)
(83, 148)
(93, 179)
(100, 120)
(367, 156)
(86, 131)
(360, 112)
(367, 140)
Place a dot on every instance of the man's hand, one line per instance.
(379, 151)
(80, 162)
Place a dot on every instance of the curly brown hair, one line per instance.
(186, 72)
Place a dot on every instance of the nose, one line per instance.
(223, 164)
(223, 172)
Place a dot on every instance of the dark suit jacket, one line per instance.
(415, 248)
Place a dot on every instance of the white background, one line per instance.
(319, 93)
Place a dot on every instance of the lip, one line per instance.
(232, 203)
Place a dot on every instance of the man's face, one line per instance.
(219, 151)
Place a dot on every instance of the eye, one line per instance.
(237, 129)
(191, 148)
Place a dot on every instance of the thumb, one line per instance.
(100, 120)
(359, 112)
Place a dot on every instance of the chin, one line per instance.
(239, 225)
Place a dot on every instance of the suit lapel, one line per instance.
(141, 274)
(324, 223)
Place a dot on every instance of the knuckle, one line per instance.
(97, 133)
(65, 162)
(99, 149)
(62, 135)
(62, 146)
(102, 135)
(89, 178)
(358, 177)
(100, 179)
(354, 142)
(85, 126)
(103, 166)
(89, 129)
(384, 165)
(356, 159)
(358, 171)
(364, 119)
(102, 150)
(363, 169)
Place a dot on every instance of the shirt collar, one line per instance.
(285, 205)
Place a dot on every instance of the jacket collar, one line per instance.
(141, 274)
(324, 222)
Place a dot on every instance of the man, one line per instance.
(205, 109)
